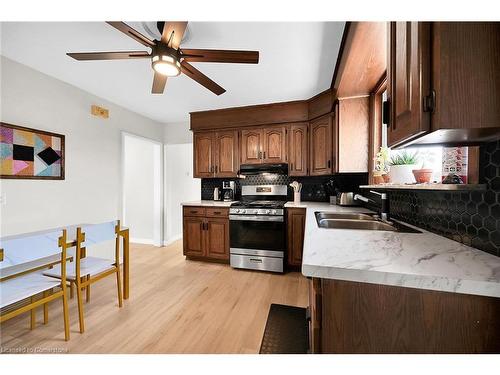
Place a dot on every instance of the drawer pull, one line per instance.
(217, 212)
(193, 211)
(255, 260)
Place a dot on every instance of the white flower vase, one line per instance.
(402, 174)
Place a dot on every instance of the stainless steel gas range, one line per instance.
(257, 228)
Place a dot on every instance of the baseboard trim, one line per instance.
(144, 241)
(172, 240)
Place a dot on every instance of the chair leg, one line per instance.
(71, 290)
(33, 316)
(45, 308)
(119, 286)
(80, 306)
(88, 289)
(65, 314)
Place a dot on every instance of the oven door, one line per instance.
(257, 233)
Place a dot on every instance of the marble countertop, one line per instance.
(424, 260)
(207, 203)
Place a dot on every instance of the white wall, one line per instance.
(180, 186)
(138, 188)
(177, 133)
(91, 191)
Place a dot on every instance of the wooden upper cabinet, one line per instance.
(297, 150)
(350, 140)
(274, 145)
(251, 143)
(203, 154)
(226, 154)
(320, 146)
(409, 80)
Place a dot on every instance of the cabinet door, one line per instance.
(217, 238)
(274, 147)
(409, 80)
(296, 219)
(320, 146)
(226, 154)
(194, 236)
(297, 150)
(251, 146)
(203, 155)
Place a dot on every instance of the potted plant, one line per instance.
(402, 165)
(381, 166)
(424, 175)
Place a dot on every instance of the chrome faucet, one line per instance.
(384, 210)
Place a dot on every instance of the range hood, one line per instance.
(256, 169)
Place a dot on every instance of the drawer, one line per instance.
(194, 211)
(217, 212)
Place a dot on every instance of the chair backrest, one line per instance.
(97, 233)
(30, 248)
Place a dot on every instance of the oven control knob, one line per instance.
(256, 211)
(268, 212)
(241, 211)
(274, 212)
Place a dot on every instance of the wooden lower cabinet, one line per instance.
(371, 318)
(206, 233)
(296, 219)
(217, 238)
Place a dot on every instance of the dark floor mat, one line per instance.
(286, 331)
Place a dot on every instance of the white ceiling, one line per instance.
(296, 62)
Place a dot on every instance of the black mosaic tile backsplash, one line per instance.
(313, 188)
(472, 218)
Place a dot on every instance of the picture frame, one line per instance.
(31, 154)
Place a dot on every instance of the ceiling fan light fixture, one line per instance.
(166, 65)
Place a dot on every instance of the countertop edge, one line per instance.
(422, 282)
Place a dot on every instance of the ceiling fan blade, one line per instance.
(82, 56)
(159, 82)
(201, 78)
(220, 56)
(126, 29)
(173, 32)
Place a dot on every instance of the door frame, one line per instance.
(158, 184)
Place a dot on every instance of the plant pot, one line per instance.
(378, 180)
(422, 176)
(386, 178)
(402, 174)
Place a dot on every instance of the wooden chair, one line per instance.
(86, 270)
(18, 288)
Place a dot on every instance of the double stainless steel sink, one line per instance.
(352, 220)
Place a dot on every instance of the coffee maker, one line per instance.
(228, 191)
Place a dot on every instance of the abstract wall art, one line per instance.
(30, 154)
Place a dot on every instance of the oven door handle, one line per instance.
(256, 218)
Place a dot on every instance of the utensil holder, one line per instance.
(296, 197)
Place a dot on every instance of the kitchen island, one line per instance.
(392, 292)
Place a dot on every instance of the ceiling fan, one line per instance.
(168, 59)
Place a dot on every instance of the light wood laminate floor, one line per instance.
(175, 306)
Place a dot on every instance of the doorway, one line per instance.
(142, 187)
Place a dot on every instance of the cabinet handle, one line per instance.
(216, 168)
(217, 212)
(260, 154)
(255, 260)
(212, 169)
(291, 166)
(264, 154)
(193, 211)
(329, 163)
